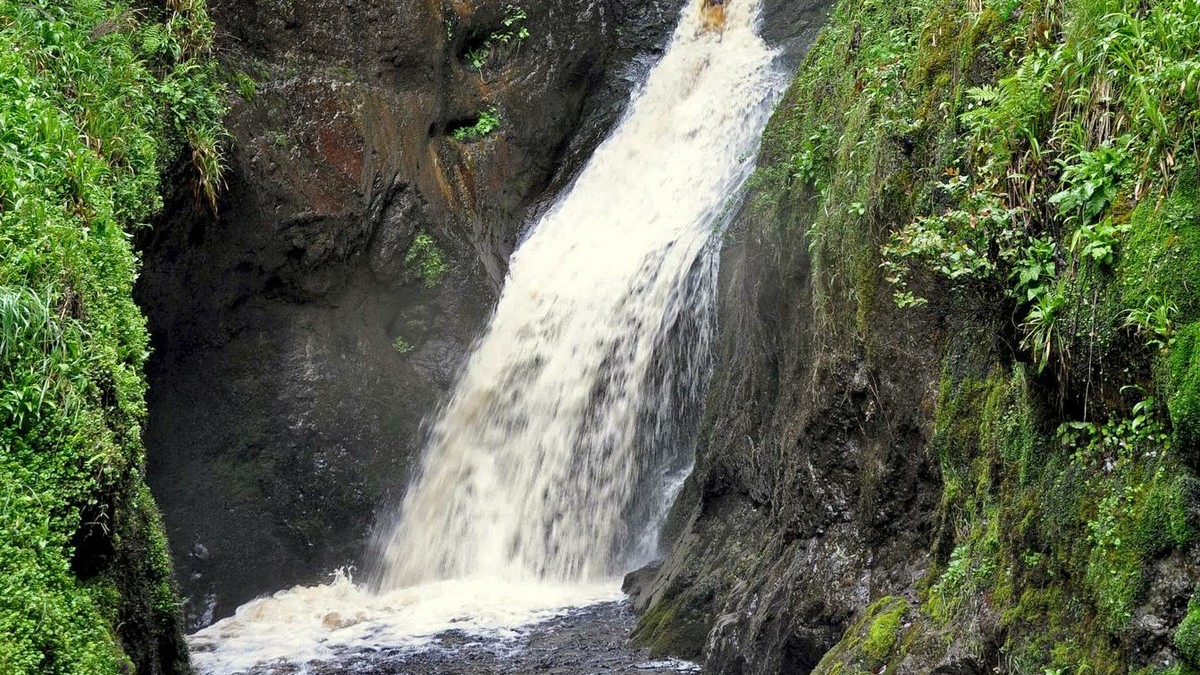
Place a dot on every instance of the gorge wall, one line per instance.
(301, 337)
(944, 434)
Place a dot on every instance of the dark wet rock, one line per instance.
(637, 585)
(297, 347)
(1172, 581)
(813, 493)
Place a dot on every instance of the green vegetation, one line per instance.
(488, 121)
(425, 260)
(1187, 636)
(1028, 168)
(279, 139)
(245, 85)
(511, 34)
(884, 631)
(669, 628)
(875, 643)
(96, 102)
(401, 346)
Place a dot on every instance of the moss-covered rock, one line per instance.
(96, 101)
(1187, 635)
(1184, 386)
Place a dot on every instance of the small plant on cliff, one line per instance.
(401, 346)
(514, 26)
(425, 260)
(246, 87)
(478, 58)
(1090, 181)
(1154, 321)
(512, 33)
(487, 122)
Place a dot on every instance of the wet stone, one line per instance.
(588, 641)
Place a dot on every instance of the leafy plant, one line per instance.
(1097, 242)
(401, 345)
(1090, 181)
(1041, 327)
(488, 121)
(246, 87)
(1035, 269)
(478, 57)
(424, 258)
(512, 33)
(278, 139)
(974, 243)
(514, 24)
(1155, 321)
(806, 162)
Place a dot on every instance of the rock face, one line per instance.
(887, 490)
(813, 491)
(301, 337)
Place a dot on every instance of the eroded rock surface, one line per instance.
(789, 522)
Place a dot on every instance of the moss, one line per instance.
(885, 630)
(1015, 513)
(1161, 256)
(1187, 635)
(1184, 387)
(875, 639)
(668, 627)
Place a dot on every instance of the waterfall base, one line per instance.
(577, 641)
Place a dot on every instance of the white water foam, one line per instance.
(551, 466)
(318, 623)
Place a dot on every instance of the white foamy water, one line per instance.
(551, 466)
(316, 623)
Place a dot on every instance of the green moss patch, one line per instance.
(670, 627)
(877, 639)
(1184, 386)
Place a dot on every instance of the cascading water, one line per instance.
(549, 470)
(568, 402)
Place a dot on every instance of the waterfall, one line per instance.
(549, 471)
(572, 401)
